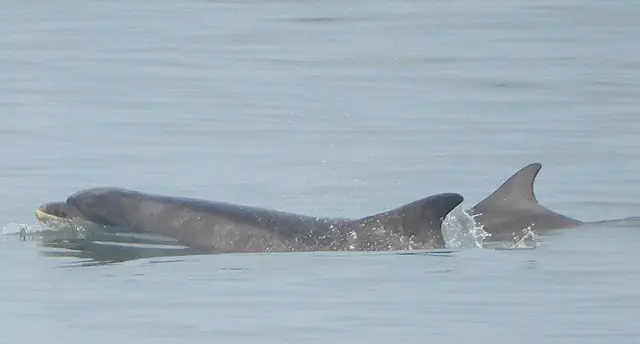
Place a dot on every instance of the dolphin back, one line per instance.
(223, 227)
(206, 225)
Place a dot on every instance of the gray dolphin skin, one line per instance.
(217, 227)
(513, 208)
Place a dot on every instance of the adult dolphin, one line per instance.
(217, 227)
(512, 209)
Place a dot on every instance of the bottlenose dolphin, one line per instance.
(217, 227)
(513, 209)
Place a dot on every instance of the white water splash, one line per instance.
(460, 230)
(12, 228)
(40, 230)
(527, 241)
(15, 228)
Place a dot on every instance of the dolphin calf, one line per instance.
(218, 227)
(512, 209)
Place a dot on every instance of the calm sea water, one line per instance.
(331, 109)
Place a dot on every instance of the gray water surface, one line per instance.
(330, 109)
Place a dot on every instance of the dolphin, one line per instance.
(512, 209)
(219, 227)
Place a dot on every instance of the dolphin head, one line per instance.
(88, 205)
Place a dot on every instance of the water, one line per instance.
(329, 109)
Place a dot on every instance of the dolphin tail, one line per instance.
(421, 220)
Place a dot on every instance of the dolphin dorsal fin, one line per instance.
(420, 220)
(516, 192)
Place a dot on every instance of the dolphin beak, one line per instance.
(44, 217)
(57, 211)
